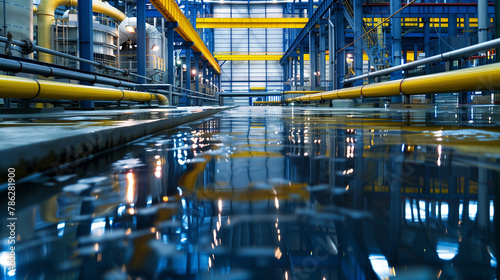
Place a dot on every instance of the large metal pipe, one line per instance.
(433, 59)
(471, 79)
(47, 71)
(25, 88)
(45, 16)
(483, 19)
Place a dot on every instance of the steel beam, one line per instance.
(141, 39)
(171, 11)
(251, 22)
(313, 20)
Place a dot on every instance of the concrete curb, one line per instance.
(59, 153)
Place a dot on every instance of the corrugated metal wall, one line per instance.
(242, 75)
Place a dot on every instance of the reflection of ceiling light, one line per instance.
(179, 62)
(155, 47)
(130, 28)
(193, 72)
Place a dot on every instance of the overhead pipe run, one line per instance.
(471, 79)
(25, 88)
(28, 47)
(45, 15)
(433, 59)
(47, 71)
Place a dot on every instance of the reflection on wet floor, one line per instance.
(275, 193)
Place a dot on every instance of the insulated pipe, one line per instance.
(47, 71)
(485, 77)
(433, 59)
(25, 88)
(45, 15)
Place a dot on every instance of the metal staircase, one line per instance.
(377, 54)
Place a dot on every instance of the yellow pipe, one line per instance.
(382, 89)
(45, 16)
(25, 88)
(354, 92)
(471, 79)
(315, 97)
(333, 94)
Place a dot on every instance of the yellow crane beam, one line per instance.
(251, 22)
(234, 56)
(171, 11)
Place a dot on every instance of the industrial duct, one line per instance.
(45, 15)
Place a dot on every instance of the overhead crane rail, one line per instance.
(238, 56)
(471, 79)
(171, 11)
(251, 22)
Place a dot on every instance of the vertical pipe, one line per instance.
(301, 64)
(312, 59)
(86, 40)
(5, 19)
(170, 53)
(322, 54)
(482, 20)
(497, 31)
(358, 32)
(333, 54)
(141, 39)
(310, 8)
(340, 39)
(295, 71)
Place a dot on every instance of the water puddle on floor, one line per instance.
(274, 193)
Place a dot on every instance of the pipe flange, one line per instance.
(127, 72)
(28, 47)
(101, 65)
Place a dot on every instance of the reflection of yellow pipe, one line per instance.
(471, 79)
(25, 88)
(45, 16)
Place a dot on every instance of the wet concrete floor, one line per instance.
(273, 193)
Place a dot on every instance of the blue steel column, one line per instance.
(141, 39)
(285, 74)
(322, 54)
(188, 65)
(170, 52)
(86, 42)
(452, 22)
(312, 59)
(204, 69)
(197, 67)
(358, 46)
(310, 8)
(396, 42)
(301, 64)
(340, 38)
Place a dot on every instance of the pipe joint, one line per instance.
(28, 46)
(126, 73)
(101, 65)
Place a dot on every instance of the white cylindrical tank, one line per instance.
(18, 21)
